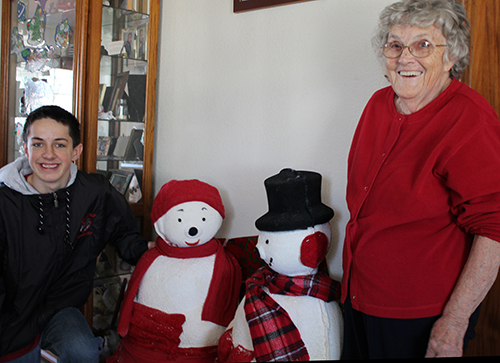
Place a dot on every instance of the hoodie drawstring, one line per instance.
(40, 216)
(41, 229)
(68, 215)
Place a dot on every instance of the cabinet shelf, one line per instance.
(114, 158)
(137, 62)
(121, 120)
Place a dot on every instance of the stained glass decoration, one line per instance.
(36, 28)
(62, 35)
(16, 40)
(38, 59)
(21, 11)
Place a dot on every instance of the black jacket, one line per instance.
(45, 266)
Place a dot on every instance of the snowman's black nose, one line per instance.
(193, 231)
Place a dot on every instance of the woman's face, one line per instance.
(417, 81)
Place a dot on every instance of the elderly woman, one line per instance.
(421, 248)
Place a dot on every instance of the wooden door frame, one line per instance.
(483, 75)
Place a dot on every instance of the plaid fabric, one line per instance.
(274, 336)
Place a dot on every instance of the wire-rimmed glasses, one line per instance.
(418, 49)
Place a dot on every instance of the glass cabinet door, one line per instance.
(122, 95)
(121, 138)
(40, 63)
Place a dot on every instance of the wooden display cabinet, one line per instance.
(98, 60)
(114, 76)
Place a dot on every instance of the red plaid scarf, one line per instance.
(274, 336)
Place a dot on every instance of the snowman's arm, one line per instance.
(235, 345)
(228, 352)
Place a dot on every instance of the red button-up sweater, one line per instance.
(419, 187)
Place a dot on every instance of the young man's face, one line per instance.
(50, 152)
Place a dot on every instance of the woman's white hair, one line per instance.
(447, 15)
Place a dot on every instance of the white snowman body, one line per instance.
(180, 286)
(319, 323)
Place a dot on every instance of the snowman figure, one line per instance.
(290, 309)
(183, 292)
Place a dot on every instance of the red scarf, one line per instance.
(274, 336)
(222, 299)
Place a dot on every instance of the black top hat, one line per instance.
(294, 199)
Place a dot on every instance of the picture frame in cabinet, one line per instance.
(120, 179)
(128, 37)
(118, 88)
(102, 93)
(133, 147)
(106, 100)
(142, 41)
(137, 99)
(103, 145)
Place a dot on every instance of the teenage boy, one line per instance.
(54, 223)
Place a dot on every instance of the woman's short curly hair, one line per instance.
(447, 15)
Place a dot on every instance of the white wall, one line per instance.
(241, 96)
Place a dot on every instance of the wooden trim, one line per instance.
(80, 63)
(90, 108)
(483, 72)
(483, 75)
(149, 137)
(4, 80)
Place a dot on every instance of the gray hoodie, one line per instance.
(13, 175)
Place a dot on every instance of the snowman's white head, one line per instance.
(187, 213)
(297, 252)
(189, 224)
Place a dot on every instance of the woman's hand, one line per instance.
(447, 337)
(476, 279)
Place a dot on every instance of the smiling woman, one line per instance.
(416, 80)
(422, 192)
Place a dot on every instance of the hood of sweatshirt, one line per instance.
(13, 175)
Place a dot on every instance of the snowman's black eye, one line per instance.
(203, 219)
(267, 241)
(179, 220)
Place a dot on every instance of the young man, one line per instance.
(54, 223)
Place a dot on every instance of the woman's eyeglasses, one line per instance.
(418, 49)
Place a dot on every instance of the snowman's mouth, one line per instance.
(271, 262)
(192, 244)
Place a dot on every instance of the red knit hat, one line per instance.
(176, 192)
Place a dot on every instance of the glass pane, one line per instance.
(122, 98)
(41, 52)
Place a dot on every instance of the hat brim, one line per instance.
(289, 220)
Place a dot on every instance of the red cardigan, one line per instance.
(419, 187)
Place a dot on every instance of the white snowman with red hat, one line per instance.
(183, 292)
(290, 309)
